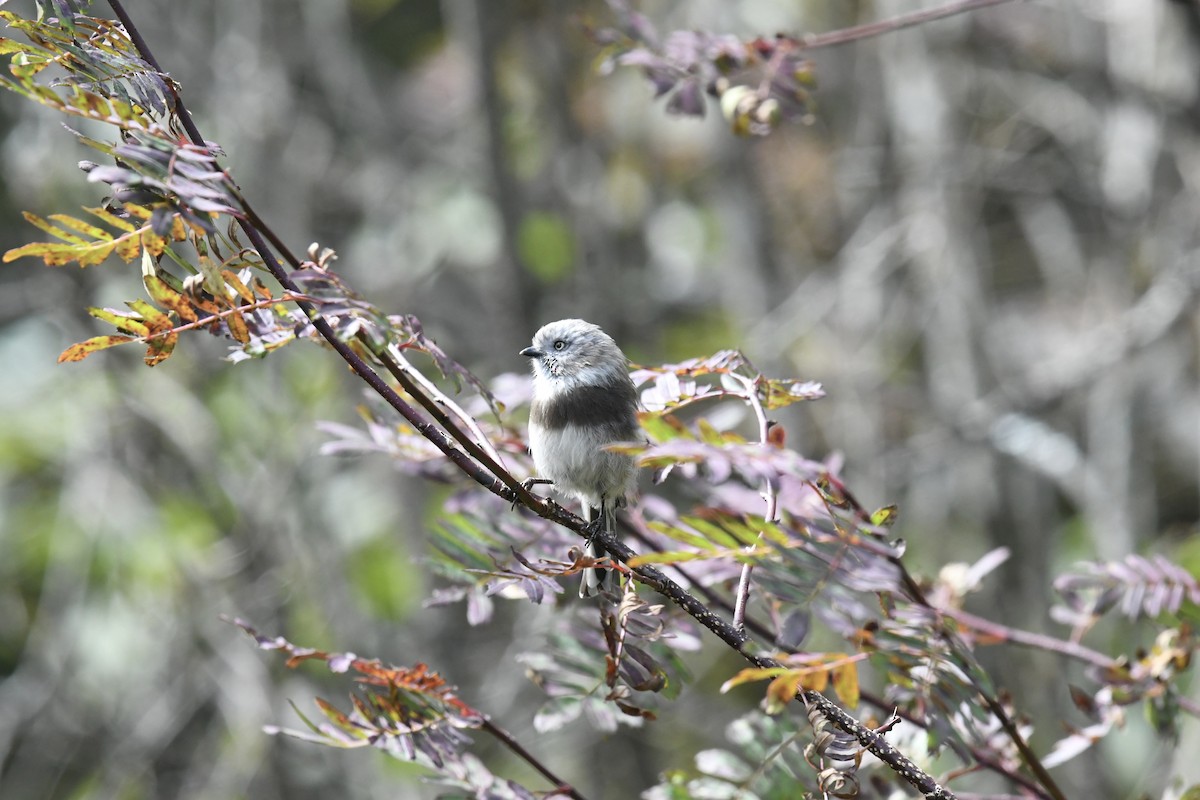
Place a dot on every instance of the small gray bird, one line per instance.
(583, 399)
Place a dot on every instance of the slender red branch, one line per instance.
(228, 312)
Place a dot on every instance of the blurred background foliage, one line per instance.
(984, 246)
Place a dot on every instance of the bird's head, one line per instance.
(572, 352)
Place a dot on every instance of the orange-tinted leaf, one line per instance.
(53, 230)
(55, 254)
(239, 287)
(777, 436)
(1083, 701)
(752, 674)
(86, 228)
(160, 348)
(635, 711)
(845, 683)
(168, 298)
(81, 350)
(153, 242)
(332, 713)
(237, 327)
(112, 219)
(782, 690)
(129, 247)
(155, 320)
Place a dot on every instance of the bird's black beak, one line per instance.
(531, 352)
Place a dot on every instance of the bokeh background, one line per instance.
(985, 246)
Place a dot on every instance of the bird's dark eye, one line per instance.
(559, 344)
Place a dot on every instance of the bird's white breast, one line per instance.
(573, 457)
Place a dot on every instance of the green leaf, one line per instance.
(781, 393)
(664, 427)
(885, 517)
(667, 557)
(8, 46)
(713, 532)
(682, 535)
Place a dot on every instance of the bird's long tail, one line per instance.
(596, 580)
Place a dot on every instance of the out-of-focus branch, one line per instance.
(1038, 641)
(561, 786)
(872, 29)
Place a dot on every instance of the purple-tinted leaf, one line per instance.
(794, 629)
(160, 221)
(479, 608)
(202, 204)
(340, 662)
(557, 713)
(111, 175)
(688, 99)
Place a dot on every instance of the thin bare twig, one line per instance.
(770, 490)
